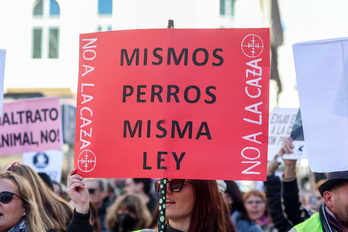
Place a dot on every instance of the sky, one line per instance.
(306, 20)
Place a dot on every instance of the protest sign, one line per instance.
(322, 81)
(49, 162)
(2, 74)
(299, 150)
(30, 125)
(173, 103)
(281, 121)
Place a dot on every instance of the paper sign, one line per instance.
(322, 80)
(173, 103)
(49, 162)
(2, 74)
(299, 151)
(281, 121)
(297, 128)
(30, 125)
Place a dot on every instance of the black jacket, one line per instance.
(273, 194)
(80, 223)
(291, 200)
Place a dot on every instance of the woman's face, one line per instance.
(179, 205)
(12, 212)
(255, 207)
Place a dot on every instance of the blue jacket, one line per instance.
(243, 225)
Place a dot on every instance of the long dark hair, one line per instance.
(209, 210)
(237, 199)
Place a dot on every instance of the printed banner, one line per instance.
(322, 81)
(281, 121)
(49, 162)
(30, 125)
(2, 74)
(173, 103)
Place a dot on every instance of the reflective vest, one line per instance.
(313, 224)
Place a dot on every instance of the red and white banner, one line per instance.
(173, 103)
(30, 125)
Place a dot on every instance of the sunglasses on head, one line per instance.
(175, 185)
(6, 197)
(8, 168)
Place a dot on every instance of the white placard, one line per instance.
(2, 74)
(322, 81)
(299, 151)
(49, 162)
(281, 121)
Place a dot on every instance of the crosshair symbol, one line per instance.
(252, 45)
(86, 161)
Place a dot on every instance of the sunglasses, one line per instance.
(8, 168)
(6, 197)
(92, 190)
(175, 185)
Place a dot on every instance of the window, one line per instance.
(38, 8)
(105, 6)
(227, 7)
(104, 28)
(45, 38)
(54, 8)
(53, 43)
(37, 40)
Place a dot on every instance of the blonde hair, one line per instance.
(56, 213)
(33, 220)
(134, 204)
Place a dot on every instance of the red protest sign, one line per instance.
(30, 125)
(173, 103)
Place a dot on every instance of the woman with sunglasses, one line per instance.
(195, 205)
(18, 209)
(55, 212)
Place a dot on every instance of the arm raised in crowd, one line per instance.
(292, 205)
(78, 193)
(273, 195)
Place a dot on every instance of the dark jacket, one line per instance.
(273, 194)
(292, 205)
(80, 223)
(102, 212)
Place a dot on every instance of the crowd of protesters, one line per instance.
(32, 202)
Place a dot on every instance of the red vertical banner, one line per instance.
(173, 103)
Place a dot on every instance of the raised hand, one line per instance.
(78, 192)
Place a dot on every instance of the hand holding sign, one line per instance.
(290, 164)
(77, 191)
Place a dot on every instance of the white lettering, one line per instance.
(246, 171)
(87, 69)
(248, 137)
